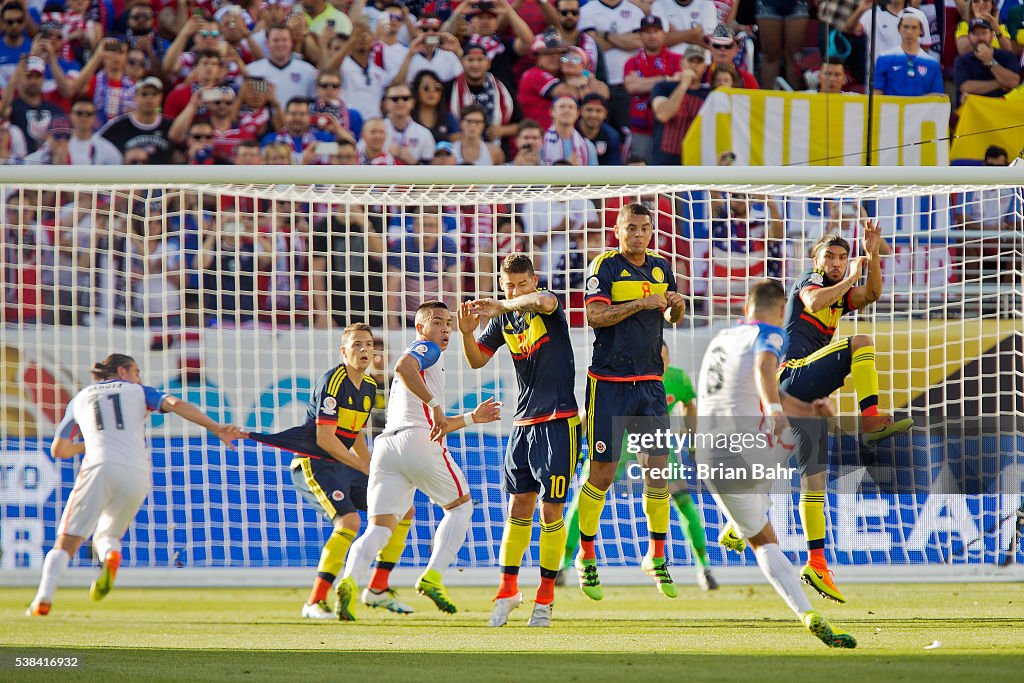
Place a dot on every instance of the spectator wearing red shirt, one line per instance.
(209, 73)
(676, 104)
(644, 70)
(541, 84)
(222, 108)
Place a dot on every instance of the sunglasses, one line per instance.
(209, 34)
(432, 87)
(222, 102)
(141, 17)
(400, 98)
(61, 136)
(202, 136)
(329, 86)
(14, 22)
(395, 17)
(83, 112)
(137, 62)
(569, 12)
(571, 59)
(723, 47)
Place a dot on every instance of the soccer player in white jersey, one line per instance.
(737, 386)
(114, 478)
(410, 455)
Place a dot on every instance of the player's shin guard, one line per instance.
(590, 508)
(332, 560)
(449, 537)
(54, 566)
(514, 541)
(865, 379)
(389, 556)
(782, 575)
(552, 545)
(812, 515)
(366, 547)
(656, 508)
(693, 526)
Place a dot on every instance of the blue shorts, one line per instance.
(331, 486)
(541, 458)
(614, 408)
(782, 9)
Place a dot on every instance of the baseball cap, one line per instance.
(429, 22)
(694, 51)
(482, 7)
(36, 64)
(650, 21)
(723, 35)
(593, 97)
(922, 19)
(150, 82)
(978, 22)
(548, 41)
(59, 125)
(474, 47)
(444, 147)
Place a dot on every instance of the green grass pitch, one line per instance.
(739, 633)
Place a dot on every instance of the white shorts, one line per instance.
(747, 510)
(104, 501)
(406, 461)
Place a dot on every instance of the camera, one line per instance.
(321, 121)
(330, 23)
(433, 41)
(326, 149)
(258, 85)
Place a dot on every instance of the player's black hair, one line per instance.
(634, 209)
(424, 309)
(209, 54)
(766, 295)
(517, 264)
(352, 329)
(107, 368)
(829, 241)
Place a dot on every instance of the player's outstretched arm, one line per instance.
(871, 291)
(604, 314)
(534, 302)
(408, 370)
(468, 323)
(184, 409)
(488, 411)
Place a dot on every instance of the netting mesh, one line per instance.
(233, 296)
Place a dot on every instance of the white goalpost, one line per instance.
(230, 286)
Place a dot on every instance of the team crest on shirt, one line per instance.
(366, 404)
(330, 405)
(658, 274)
(420, 348)
(600, 447)
(296, 77)
(817, 279)
(775, 340)
(337, 496)
(922, 69)
(593, 284)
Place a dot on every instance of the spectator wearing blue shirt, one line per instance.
(421, 265)
(298, 132)
(910, 71)
(14, 43)
(985, 71)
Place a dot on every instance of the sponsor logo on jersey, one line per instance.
(624, 273)
(329, 405)
(600, 447)
(658, 274)
(337, 496)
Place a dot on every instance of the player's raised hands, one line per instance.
(488, 308)
(858, 265)
(468, 320)
(872, 236)
(488, 411)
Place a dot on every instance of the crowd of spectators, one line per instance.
(198, 81)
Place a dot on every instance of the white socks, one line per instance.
(782, 575)
(103, 546)
(54, 566)
(450, 536)
(364, 550)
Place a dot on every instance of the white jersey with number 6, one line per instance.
(112, 419)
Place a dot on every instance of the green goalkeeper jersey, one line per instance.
(678, 387)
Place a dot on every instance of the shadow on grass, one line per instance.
(104, 664)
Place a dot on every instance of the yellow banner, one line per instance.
(988, 121)
(774, 128)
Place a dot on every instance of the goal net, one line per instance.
(232, 296)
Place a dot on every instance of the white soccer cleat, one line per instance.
(387, 600)
(319, 610)
(541, 615)
(503, 607)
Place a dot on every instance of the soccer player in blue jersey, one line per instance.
(115, 475)
(329, 468)
(631, 293)
(545, 442)
(817, 364)
(739, 396)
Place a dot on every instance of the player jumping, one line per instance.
(329, 470)
(115, 476)
(545, 442)
(410, 455)
(817, 364)
(737, 378)
(630, 294)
